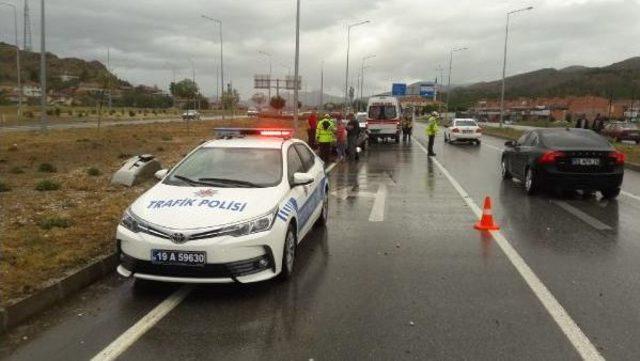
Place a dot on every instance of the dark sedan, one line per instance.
(564, 159)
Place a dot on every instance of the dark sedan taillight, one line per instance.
(618, 157)
(550, 157)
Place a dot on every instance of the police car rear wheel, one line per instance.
(288, 254)
(322, 220)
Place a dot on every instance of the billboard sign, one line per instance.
(261, 81)
(290, 82)
(427, 90)
(398, 89)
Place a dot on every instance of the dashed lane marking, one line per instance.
(377, 211)
(572, 331)
(582, 216)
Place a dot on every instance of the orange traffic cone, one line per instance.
(486, 223)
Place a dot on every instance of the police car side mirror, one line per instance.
(161, 173)
(302, 179)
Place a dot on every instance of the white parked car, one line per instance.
(191, 115)
(233, 210)
(463, 130)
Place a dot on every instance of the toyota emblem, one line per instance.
(178, 238)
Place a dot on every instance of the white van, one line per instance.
(383, 117)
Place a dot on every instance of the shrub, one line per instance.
(93, 111)
(29, 114)
(49, 111)
(166, 138)
(53, 222)
(132, 113)
(47, 185)
(70, 112)
(47, 168)
(4, 187)
(57, 111)
(16, 170)
(160, 149)
(94, 172)
(124, 155)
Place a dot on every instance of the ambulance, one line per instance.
(383, 118)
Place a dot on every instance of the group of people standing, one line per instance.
(597, 125)
(328, 131)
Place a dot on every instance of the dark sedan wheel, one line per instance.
(610, 193)
(530, 182)
(504, 171)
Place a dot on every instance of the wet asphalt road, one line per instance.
(419, 284)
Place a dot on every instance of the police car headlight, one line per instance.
(259, 224)
(130, 222)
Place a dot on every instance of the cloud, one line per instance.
(410, 38)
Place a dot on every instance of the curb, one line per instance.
(56, 291)
(627, 165)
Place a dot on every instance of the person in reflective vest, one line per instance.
(325, 135)
(431, 131)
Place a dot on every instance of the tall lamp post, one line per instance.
(296, 69)
(362, 72)
(15, 26)
(43, 70)
(346, 77)
(221, 56)
(504, 60)
(453, 50)
(268, 55)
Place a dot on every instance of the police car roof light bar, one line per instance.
(285, 133)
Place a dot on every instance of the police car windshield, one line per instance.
(382, 112)
(229, 167)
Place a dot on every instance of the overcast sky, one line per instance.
(410, 38)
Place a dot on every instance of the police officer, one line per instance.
(325, 135)
(431, 131)
(407, 126)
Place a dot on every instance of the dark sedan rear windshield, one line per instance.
(573, 138)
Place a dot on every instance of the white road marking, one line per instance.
(582, 216)
(568, 326)
(125, 340)
(630, 195)
(330, 167)
(377, 211)
(492, 146)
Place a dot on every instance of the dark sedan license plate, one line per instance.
(585, 161)
(180, 258)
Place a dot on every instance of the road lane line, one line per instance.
(630, 195)
(578, 339)
(377, 211)
(492, 146)
(130, 336)
(582, 216)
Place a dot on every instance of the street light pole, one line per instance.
(346, 80)
(221, 56)
(362, 72)
(43, 69)
(453, 50)
(296, 69)
(504, 60)
(15, 26)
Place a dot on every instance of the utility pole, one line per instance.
(268, 55)
(109, 75)
(504, 60)
(296, 69)
(453, 50)
(321, 85)
(26, 32)
(221, 56)
(43, 69)
(346, 76)
(362, 73)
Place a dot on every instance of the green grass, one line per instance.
(94, 172)
(47, 168)
(54, 222)
(16, 170)
(47, 185)
(4, 187)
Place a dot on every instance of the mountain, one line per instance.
(619, 80)
(59, 70)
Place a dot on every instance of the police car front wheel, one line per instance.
(288, 254)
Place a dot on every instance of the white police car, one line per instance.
(233, 210)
